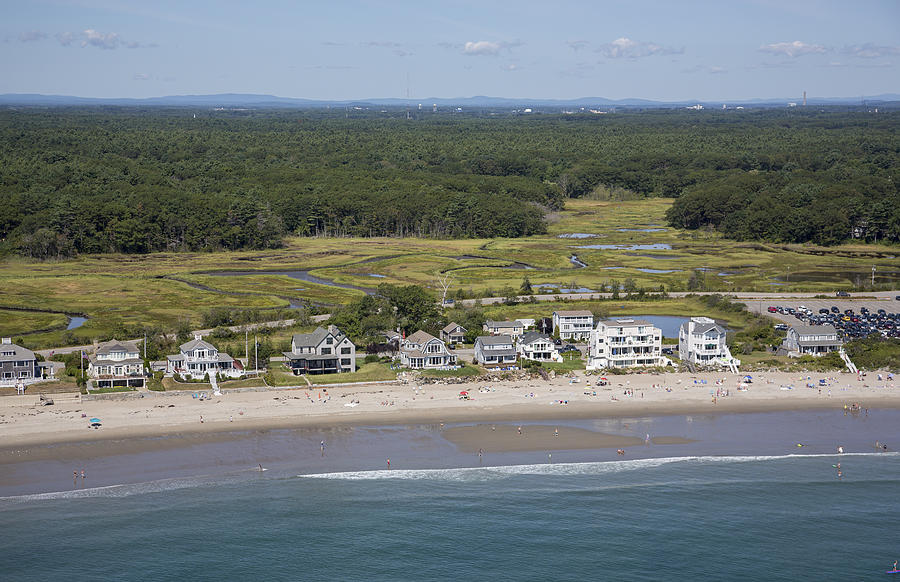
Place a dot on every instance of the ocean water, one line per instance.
(709, 517)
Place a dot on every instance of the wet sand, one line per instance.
(537, 437)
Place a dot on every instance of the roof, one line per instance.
(814, 329)
(495, 340)
(705, 327)
(626, 323)
(196, 343)
(492, 323)
(576, 313)
(420, 337)
(20, 352)
(533, 336)
(116, 346)
(316, 337)
(452, 327)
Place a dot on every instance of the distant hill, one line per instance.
(272, 101)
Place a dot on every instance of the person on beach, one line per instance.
(389, 463)
(322, 446)
(75, 478)
(82, 477)
(840, 450)
(519, 429)
(201, 419)
(260, 468)
(556, 432)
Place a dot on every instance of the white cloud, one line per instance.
(482, 47)
(94, 38)
(109, 40)
(32, 36)
(792, 49)
(488, 48)
(625, 48)
(871, 51)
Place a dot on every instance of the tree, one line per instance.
(526, 289)
(444, 280)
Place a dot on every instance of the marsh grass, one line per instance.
(117, 290)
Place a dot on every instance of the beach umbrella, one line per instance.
(464, 393)
(95, 420)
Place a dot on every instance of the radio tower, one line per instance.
(804, 98)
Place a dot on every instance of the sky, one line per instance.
(357, 49)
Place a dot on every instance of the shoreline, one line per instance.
(24, 424)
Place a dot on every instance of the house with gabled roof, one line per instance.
(323, 351)
(453, 333)
(496, 351)
(538, 347)
(117, 364)
(18, 365)
(198, 359)
(812, 340)
(421, 350)
(702, 341)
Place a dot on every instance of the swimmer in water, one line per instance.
(260, 468)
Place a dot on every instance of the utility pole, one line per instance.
(145, 346)
(256, 355)
(246, 347)
(873, 276)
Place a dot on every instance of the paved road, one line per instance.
(876, 295)
(755, 301)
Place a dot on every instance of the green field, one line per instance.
(119, 292)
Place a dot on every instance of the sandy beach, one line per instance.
(24, 423)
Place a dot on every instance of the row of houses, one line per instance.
(612, 343)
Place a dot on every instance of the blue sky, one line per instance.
(355, 49)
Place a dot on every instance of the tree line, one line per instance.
(138, 180)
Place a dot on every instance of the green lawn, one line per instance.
(372, 372)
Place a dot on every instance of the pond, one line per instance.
(648, 247)
(566, 289)
(659, 270)
(579, 264)
(369, 275)
(577, 235)
(75, 322)
(669, 324)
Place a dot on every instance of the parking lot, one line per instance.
(864, 320)
(762, 305)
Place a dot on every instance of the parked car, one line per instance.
(568, 348)
(773, 309)
(843, 294)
